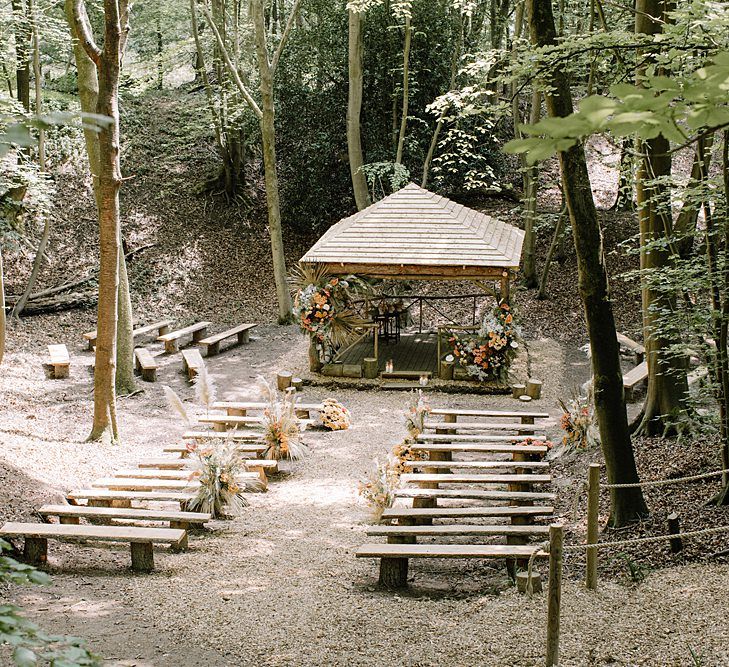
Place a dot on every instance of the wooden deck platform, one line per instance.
(413, 352)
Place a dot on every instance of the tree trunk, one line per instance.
(354, 108)
(405, 90)
(558, 228)
(125, 381)
(268, 136)
(160, 64)
(22, 49)
(2, 308)
(624, 198)
(626, 504)
(665, 403)
(685, 225)
(531, 180)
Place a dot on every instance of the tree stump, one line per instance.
(518, 390)
(674, 529)
(534, 388)
(522, 582)
(283, 379)
(370, 367)
(142, 557)
(297, 383)
(446, 370)
(394, 573)
(35, 550)
(314, 361)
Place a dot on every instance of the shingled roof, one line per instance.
(415, 233)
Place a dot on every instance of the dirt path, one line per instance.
(279, 585)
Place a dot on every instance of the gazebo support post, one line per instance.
(505, 284)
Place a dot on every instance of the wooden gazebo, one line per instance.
(415, 234)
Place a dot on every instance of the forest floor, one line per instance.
(280, 584)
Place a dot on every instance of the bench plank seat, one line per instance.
(501, 511)
(125, 498)
(243, 447)
(212, 343)
(156, 484)
(467, 412)
(59, 361)
(161, 327)
(36, 537)
(225, 422)
(241, 408)
(145, 364)
(445, 478)
(172, 339)
(457, 530)
(471, 437)
(484, 426)
(478, 447)
(172, 464)
(449, 551)
(631, 346)
(474, 494)
(478, 465)
(192, 363)
(238, 436)
(635, 377)
(70, 514)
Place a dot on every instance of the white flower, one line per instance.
(514, 344)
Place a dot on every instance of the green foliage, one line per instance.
(29, 643)
(384, 178)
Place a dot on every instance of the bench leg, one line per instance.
(149, 374)
(171, 346)
(261, 473)
(182, 525)
(99, 503)
(35, 550)
(122, 504)
(220, 426)
(198, 335)
(243, 337)
(92, 344)
(213, 349)
(60, 371)
(164, 330)
(142, 557)
(180, 546)
(302, 414)
(394, 573)
(442, 456)
(69, 520)
(236, 412)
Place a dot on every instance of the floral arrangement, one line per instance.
(334, 415)
(578, 422)
(281, 429)
(323, 307)
(417, 412)
(488, 355)
(404, 452)
(378, 489)
(219, 466)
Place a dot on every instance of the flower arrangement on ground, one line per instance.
(219, 466)
(530, 442)
(323, 307)
(281, 429)
(578, 422)
(378, 489)
(416, 414)
(334, 415)
(488, 355)
(404, 452)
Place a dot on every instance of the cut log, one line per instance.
(534, 388)
(283, 380)
(518, 390)
(369, 368)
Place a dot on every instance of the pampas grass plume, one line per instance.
(204, 388)
(173, 400)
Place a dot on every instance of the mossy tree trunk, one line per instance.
(354, 108)
(627, 505)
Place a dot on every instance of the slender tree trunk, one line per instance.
(125, 381)
(685, 226)
(529, 265)
(22, 48)
(624, 198)
(268, 135)
(3, 323)
(38, 260)
(354, 108)
(405, 90)
(558, 228)
(160, 45)
(665, 403)
(626, 504)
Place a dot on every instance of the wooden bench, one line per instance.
(477, 465)
(484, 426)
(161, 327)
(59, 361)
(145, 364)
(252, 448)
(192, 363)
(478, 447)
(458, 478)
(263, 467)
(632, 347)
(172, 339)
(248, 480)
(111, 498)
(72, 514)
(225, 422)
(458, 530)
(241, 408)
(141, 539)
(475, 437)
(212, 343)
(202, 436)
(409, 514)
(394, 557)
(473, 494)
(524, 417)
(634, 378)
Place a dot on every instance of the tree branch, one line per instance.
(285, 36)
(229, 64)
(83, 31)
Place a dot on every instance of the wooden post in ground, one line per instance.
(593, 511)
(369, 368)
(556, 540)
(394, 571)
(142, 556)
(283, 380)
(35, 550)
(674, 529)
